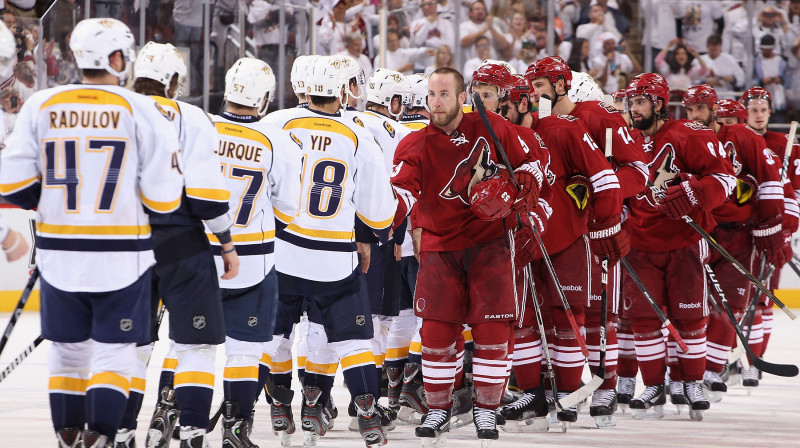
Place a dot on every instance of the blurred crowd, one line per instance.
(691, 41)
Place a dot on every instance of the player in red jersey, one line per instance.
(749, 221)
(466, 271)
(689, 175)
(758, 103)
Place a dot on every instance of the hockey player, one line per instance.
(758, 103)
(263, 166)
(416, 115)
(454, 237)
(318, 261)
(690, 175)
(90, 158)
(185, 276)
(749, 222)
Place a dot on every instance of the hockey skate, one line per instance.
(193, 437)
(626, 389)
(462, 406)
(651, 397)
(677, 395)
(125, 438)
(163, 422)
(713, 386)
(93, 439)
(604, 404)
(527, 414)
(369, 420)
(697, 401)
(733, 373)
(568, 415)
(750, 378)
(552, 418)
(485, 425)
(313, 416)
(433, 429)
(388, 418)
(395, 377)
(235, 431)
(69, 437)
(282, 422)
(412, 395)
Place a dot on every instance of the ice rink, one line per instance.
(767, 418)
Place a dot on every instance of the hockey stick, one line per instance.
(786, 370)
(18, 360)
(18, 310)
(543, 338)
(793, 265)
(787, 153)
(751, 310)
(478, 102)
(664, 319)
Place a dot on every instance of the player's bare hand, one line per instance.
(398, 252)
(364, 251)
(416, 238)
(15, 246)
(230, 261)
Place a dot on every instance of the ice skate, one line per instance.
(651, 397)
(93, 439)
(462, 406)
(626, 389)
(677, 395)
(125, 438)
(313, 418)
(193, 437)
(69, 437)
(713, 386)
(568, 415)
(387, 416)
(750, 378)
(527, 414)
(282, 422)
(412, 395)
(163, 422)
(433, 429)
(369, 420)
(604, 404)
(395, 376)
(697, 401)
(552, 418)
(485, 425)
(235, 431)
(734, 373)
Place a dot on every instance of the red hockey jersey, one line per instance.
(776, 141)
(679, 146)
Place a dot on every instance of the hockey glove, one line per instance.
(746, 189)
(526, 248)
(787, 250)
(609, 240)
(681, 198)
(530, 181)
(768, 237)
(579, 189)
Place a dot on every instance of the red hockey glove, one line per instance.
(790, 222)
(681, 198)
(609, 240)
(530, 180)
(526, 248)
(787, 250)
(768, 237)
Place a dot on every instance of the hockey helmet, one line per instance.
(651, 85)
(94, 40)
(250, 83)
(419, 89)
(700, 94)
(350, 70)
(584, 88)
(732, 109)
(385, 84)
(519, 87)
(551, 68)
(160, 62)
(493, 197)
(755, 93)
(298, 76)
(493, 74)
(325, 78)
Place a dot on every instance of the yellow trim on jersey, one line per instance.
(92, 230)
(281, 367)
(379, 360)
(87, 96)
(301, 362)
(166, 102)
(245, 237)
(282, 216)
(265, 359)
(466, 108)
(397, 353)
(415, 347)
(10, 188)
(357, 360)
(415, 125)
(235, 130)
(170, 364)
(322, 124)
(241, 373)
(185, 378)
(68, 383)
(106, 379)
(322, 369)
(328, 234)
(163, 207)
(138, 384)
(376, 224)
(209, 194)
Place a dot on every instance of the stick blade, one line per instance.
(785, 370)
(583, 393)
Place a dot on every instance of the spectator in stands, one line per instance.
(403, 59)
(593, 30)
(68, 71)
(479, 24)
(770, 71)
(431, 31)
(518, 30)
(333, 30)
(737, 34)
(578, 60)
(793, 17)
(613, 15)
(680, 65)
(660, 24)
(482, 53)
(109, 8)
(773, 22)
(263, 16)
(188, 18)
(793, 78)
(569, 12)
(698, 22)
(355, 49)
(392, 24)
(614, 68)
(527, 56)
(443, 58)
(724, 72)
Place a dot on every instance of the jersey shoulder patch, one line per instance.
(695, 126)
(389, 129)
(358, 121)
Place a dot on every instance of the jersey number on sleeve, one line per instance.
(325, 195)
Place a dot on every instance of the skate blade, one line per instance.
(310, 438)
(486, 443)
(539, 424)
(641, 414)
(154, 438)
(696, 415)
(552, 418)
(679, 408)
(605, 421)
(623, 407)
(285, 438)
(460, 420)
(410, 416)
(434, 442)
(713, 396)
(564, 427)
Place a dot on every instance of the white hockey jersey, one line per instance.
(90, 158)
(262, 167)
(343, 176)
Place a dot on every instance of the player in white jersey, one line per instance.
(185, 276)
(90, 158)
(262, 164)
(343, 177)
(416, 115)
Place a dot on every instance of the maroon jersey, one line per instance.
(433, 173)
(679, 146)
(627, 157)
(750, 156)
(573, 152)
(776, 141)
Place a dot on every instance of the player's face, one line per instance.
(642, 112)
(727, 120)
(443, 101)
(758, 114)
(700, 113)
(488, 94)
(542, 86)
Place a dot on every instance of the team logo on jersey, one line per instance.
(396, 169)
(361, 320)
(125, 324)
(420, 305)
(389, 129)
(358, 121)
(664, 172)
(252, 321)
(477, 166)
(296, 140)
(199, 322)
(732, 153)
(457, 139)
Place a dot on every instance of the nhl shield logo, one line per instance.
(199, 322)
(252, 321)
(361, 320)
(125, 324)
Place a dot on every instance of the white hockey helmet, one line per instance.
(584, 88)
(325, 77)
(419, 90)
(302, 64)
(94, 40)
(8, 52)
(250, 83)
(385, 84)
(351, 69)
(160, 62)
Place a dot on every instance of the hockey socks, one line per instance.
(490, 362)
(439, 360)
(136, 395)
(612, 353)
(527, 359)
(567, 357)
(106, 395)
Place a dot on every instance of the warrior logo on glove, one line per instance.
(665, 172)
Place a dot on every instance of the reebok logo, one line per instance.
(689, 193)
(571, 288)
(688, 306)
(594, 297)
(497, 316)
